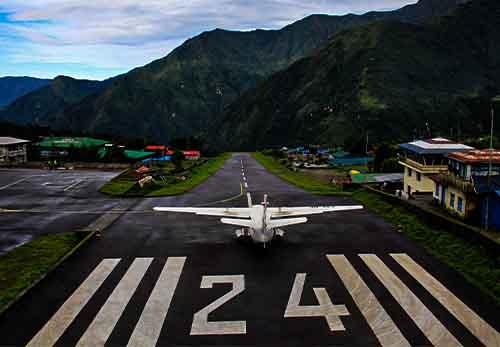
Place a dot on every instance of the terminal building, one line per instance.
(423, 159)
(13, 150)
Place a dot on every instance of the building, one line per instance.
(457, 189)
(64, 147)
(13, 151)
(488, 191)
(423, 159)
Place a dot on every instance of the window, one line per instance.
(409, 172)
(452, 200)
(419, 176)
(460, 204)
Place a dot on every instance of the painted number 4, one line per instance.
(325, 308)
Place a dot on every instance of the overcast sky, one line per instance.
(101, 38)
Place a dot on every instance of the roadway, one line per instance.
(162, 278)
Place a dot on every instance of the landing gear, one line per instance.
(242, 233)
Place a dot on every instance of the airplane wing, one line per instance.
(241, 212)
(277, 212)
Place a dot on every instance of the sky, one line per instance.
(97, 39)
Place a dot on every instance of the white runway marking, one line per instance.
(101, 327)
(148, 328)
(246, 185)
(74, 184)
(14, 183)
(475, 324)
(60, 321)
(432, 328)
(377, 318)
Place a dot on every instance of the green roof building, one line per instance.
(71, 142)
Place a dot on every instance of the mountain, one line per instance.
(13, 87)
(36, 106)
(184, 93)
(386, 79)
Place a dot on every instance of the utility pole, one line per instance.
(487, 215)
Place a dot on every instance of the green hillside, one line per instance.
(387, 78)
(184, 93)
(36, 106)
(13, 87)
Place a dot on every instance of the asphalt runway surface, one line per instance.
(343, 279)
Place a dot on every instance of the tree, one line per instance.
(177, 159)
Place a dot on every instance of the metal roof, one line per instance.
(68, 142)
(11, 141)
(476, 156)
(437, 145)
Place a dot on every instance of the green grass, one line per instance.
(299, 179)
(195, 174)
(198, 175)
(24, 265)
(474, 263)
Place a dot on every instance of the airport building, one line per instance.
(423, 159)
(462, 189)
(13, 150)
(64, 147)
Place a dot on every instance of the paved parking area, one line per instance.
(180, 280)
(40, 201)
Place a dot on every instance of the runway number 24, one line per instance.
(325, 308)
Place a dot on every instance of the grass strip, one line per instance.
(298, 179)
(199, 174)
(26, 264)
(125, 186)
(473, 261)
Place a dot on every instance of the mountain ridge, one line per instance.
(181, 94)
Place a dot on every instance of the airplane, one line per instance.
(260, 222)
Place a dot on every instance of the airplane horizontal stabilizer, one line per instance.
(276, 223)
(248, 223)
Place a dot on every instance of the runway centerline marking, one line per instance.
(60, 321)
(432, 328)
(104, 322)
(475, 324)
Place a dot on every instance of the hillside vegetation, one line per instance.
(385, 78)
(184, 93)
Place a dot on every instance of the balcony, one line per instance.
(448, 179)
(425, 169)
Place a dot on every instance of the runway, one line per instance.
(343, 279)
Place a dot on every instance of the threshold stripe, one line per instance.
(379, 321)
(101, 327)
(430, 326)
(60, 321)
(149, 326)
(475, 324)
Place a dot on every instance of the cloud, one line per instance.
(126, 33)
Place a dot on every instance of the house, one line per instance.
(423, 159)
(457, 189)
(191, 155)
(13, 150)
(488, 190)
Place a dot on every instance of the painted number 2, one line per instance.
(201, 325)
(325, 308)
